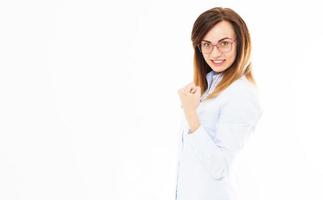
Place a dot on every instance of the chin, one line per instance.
(218, 69)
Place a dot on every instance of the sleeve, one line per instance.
(237, 120)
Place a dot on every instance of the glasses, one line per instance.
(224, 46)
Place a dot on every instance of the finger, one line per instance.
(198, 90)
(193, 90)
(181, 90)
(189, 87)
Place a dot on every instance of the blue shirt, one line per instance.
(206, 155)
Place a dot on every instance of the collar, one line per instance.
(211, 76)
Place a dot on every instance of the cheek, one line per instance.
(231, 57)
(206, 60)
(205, 57)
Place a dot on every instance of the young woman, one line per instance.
(218, 122)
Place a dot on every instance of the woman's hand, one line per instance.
(190, 97)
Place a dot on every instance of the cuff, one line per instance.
(199, 136)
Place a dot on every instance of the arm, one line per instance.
(238, 118)
(192, 120)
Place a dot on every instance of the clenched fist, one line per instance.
(190, 97)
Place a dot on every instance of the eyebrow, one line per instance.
(219, 40)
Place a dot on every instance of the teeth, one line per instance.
(218, 61)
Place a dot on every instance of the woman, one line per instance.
(216, 124)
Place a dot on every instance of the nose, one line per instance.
(215, 52)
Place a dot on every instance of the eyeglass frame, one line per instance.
(231, 42)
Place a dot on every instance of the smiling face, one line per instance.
(222, 35)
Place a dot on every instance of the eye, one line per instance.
(224, 43)
(205, 44)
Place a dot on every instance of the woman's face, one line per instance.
(222, 35)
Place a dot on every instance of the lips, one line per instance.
(218, 62)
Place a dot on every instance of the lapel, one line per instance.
(212, 79)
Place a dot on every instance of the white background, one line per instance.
(89, 106)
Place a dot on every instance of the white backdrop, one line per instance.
(89, 106)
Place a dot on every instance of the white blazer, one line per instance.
(205, 156)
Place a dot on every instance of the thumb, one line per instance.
(198, 89)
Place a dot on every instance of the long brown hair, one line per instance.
(242, 64)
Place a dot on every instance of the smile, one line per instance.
(218, 62)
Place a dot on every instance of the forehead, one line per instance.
(220, 30)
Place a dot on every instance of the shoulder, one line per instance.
(241, 88)
(241, 98)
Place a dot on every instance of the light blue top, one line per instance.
(206, 155)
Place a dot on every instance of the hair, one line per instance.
(241, 65)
